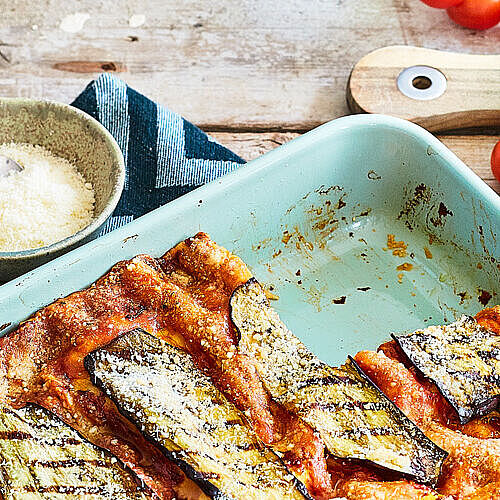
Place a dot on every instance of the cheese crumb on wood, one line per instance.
(45, 203)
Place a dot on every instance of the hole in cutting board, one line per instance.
(421, 82)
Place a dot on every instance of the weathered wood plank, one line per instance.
(251, 145)
(248, 65)
(252, 64)
(475, 151)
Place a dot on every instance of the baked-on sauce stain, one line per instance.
(484, 297)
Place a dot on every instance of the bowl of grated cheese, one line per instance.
(72, 179)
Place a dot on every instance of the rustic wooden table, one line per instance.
(254, 73)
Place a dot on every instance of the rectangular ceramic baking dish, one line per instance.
(312, 219)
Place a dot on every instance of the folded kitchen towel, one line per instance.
(166, 156)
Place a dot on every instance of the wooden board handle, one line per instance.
(471, 96)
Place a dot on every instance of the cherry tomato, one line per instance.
(476, 14)
(442, 4)
(495, 161)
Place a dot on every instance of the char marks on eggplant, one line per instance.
(353, 416)
(42, 457)
(176, 406)
(463, 360)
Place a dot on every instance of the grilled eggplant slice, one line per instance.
(160, 389)
(463, 360)
(353, 416)
(42, 457)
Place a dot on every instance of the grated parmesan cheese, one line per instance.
(45, 203)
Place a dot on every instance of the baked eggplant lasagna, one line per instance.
(174, 378)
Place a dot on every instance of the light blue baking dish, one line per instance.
(311, 219)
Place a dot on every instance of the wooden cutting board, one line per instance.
(440, 91)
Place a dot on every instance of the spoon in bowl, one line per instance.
(8, 165)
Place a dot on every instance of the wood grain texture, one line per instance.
(471, 98)
(474, 151)
(253, 65)
(247, 65)
(251, 145)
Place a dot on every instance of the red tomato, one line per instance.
(495, 161)
(476, 14)
(442, 4)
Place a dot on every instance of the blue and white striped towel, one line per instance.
(165, 155)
